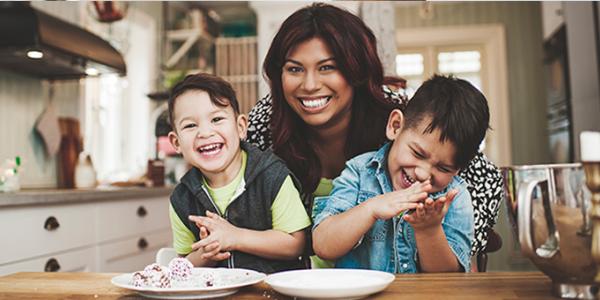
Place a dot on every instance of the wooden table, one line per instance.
(487, 286)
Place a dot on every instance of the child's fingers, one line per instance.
(212, 215)
(202, 243)
(221, 256)
(211, 250)
(451, 194)
(203, 221)
(198, 219)
(203, 232)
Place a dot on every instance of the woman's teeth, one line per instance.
(315, 102)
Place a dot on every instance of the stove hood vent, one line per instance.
(44, 46)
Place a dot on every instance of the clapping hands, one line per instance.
(391, 204)
(430, 213)
(217, 236)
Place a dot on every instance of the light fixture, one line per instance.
(35, 54)
(91, 71)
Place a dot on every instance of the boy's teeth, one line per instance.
(316, 102)
(209, 147)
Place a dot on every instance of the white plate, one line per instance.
(330, 283)
(233, 280)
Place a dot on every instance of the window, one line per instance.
(117, 110)
(417, 64)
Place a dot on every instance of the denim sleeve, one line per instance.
(343, 196)
(458, 226)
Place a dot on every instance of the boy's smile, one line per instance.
(208, 136)
(418, 156)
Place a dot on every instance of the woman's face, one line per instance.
(314, 86)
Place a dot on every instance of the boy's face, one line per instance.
(207, 135)
(417, 156)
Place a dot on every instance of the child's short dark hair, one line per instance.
(221, 93)
(457, 108)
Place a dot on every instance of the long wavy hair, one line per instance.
(354, 47)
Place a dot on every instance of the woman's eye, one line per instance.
(327, 68)
(293, 69)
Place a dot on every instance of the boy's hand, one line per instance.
(212, 251)
(391, 204)
(430, 213)
(221, 232)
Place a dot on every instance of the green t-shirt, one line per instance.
(323, 189)
(287, 211)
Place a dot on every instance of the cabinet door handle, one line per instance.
(142, 244)
(51, 223)
(52, 265)
(142, 212)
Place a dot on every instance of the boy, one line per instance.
(240, 202)
(381, 213)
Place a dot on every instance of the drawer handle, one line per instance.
(142, 244)
(51, 224)
(52, 266)
(141, 212)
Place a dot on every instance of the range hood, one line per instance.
(67, 50)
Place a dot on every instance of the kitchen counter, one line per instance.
(489, 286)
(62, 196)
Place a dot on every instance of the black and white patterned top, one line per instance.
(483, 178)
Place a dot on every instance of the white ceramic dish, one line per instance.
(330, 283)
(231, 281)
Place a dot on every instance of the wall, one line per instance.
(582, 38)
(522, 21)
(22, 100)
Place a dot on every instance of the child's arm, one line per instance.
(435, 252)
(338, 234)
(271, 244)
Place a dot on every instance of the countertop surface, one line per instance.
(489, 286)
(62, 196)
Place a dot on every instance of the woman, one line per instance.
(329, 103)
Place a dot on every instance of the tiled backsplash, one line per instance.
(22, 100)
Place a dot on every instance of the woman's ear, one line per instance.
(174, 139)
(242, 124)
(394, 124)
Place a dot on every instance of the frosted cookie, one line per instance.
(158, 276)
(139, 279)
(181, 269)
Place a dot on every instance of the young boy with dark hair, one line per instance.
(403, 209)
(237, 206)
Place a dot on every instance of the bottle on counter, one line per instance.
(85, 175)
(9, 175)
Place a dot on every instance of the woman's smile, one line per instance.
(315, 103)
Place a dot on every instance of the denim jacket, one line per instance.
(390, 245)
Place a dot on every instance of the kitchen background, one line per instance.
(536, 61)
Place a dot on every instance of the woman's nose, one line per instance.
(311, 82)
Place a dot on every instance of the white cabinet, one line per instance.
(103, 236)
(69, 261)
(121, 219)
(34, 231)
(132, 254)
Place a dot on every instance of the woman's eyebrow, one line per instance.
(318, 63)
